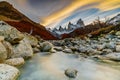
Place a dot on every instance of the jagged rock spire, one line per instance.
(71, 26)
(61, 29)
(80, 23)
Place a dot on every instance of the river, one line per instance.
(52, 67)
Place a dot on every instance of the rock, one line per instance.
(46, 46)
(58, 48)
(10, 33)
(36, 50)
(3, 52)
(95, 52)
(74, 48)
(53, 51)
(23, 49)
(117, 33)
(71, 73)
(58, 43)
(113, 56)
(106, 51)
(9, 48)
(117, 48)
(100, 47)
(82, 49)
(8, 72)
(2, 38)
(110, 45)
(67, 50)
(17, 62)
(31, 39)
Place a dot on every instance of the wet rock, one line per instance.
(36, 50)
(100, 47)
(8, 72)
(117, 33)
(17, 62)
(67, 50)
(74, 48)
(10, 33)
(106, 51)
(31, 39)
(71, 73)
(46, 46)
(3, 52)
(23, 49)
(58, 48)
(82, 49)
(117, 48)
(58, 43)
(110, 45)
(113, 56)
(53, 51)
(9, 48)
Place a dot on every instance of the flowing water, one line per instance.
(52, 67)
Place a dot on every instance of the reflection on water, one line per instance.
(51, 67)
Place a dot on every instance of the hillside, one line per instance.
(15, 18)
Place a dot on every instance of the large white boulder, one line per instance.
(9, 48)
(17, 62)
(23, 49)
(8, 72)
(46, 47)
(31, 39)
(10, 33)
(3, 52)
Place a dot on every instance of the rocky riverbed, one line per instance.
(25, 57)
(91, 58)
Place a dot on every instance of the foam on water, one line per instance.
(52, 67)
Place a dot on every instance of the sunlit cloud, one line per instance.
(52, 13)
(66, 11)
(102, 5)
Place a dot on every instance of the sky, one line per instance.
(53, 13)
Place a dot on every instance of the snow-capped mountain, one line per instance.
(70, 28)
(115, 20)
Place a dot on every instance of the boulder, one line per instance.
(117, 33)
(67, 50)
(17, 62)
(46, 46)
(71, 73)
(36, 50)
(10, 33)
(111, 56)
(3, 52)
(2, 38)
(8, 72)
(106, 51)
(31, 39)
(9, 48)
(23, 49)
(117, 48)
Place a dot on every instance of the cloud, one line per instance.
(60, 16)
(60, 12)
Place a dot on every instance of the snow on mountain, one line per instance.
(70, 28)
(115, 20)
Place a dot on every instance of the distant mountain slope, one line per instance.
(15, 18)
(115, 20)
